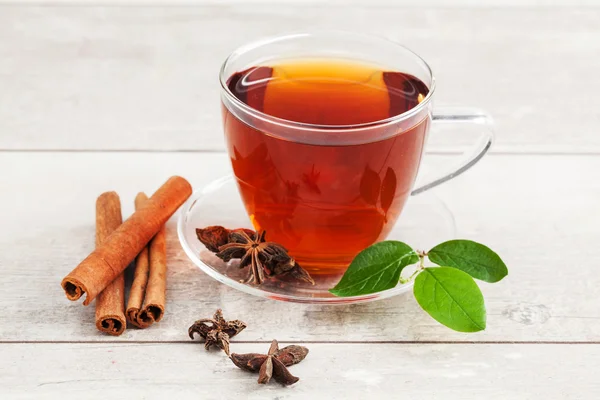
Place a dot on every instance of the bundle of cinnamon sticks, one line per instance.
(140, 237)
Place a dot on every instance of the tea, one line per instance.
(324, 202)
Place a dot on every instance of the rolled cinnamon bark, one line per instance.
(140, 277)
(154, 301)
(110, 303)
(109, 260)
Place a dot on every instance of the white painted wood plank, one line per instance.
(538, 212)
(341, 371)
(372, 3)
(146, 77)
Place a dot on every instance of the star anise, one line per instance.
(216, 330)
(264, 258)
(272, 365)
(216, 236)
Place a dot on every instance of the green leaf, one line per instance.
(376, 268)
(452, 298)
(475, 259)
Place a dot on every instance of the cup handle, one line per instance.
(484, 129)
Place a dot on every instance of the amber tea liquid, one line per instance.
(324, 202)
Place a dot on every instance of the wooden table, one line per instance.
(119, 98)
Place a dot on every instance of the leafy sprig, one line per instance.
(447, 292)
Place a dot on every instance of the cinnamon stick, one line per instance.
(149, 282)
(111, 258)
(110, 304)
(154, 301)
(140, 277)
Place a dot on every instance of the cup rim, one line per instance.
(286, 123)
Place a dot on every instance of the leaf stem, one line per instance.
(420, 268)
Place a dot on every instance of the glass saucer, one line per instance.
(425, 221)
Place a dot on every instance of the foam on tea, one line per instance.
(326, 202)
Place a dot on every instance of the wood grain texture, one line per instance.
(538, 212)
(372, 3)
(159, 371)
(145, 78)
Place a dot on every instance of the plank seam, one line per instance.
(353, 342)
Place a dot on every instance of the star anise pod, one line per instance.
(264, 258)
(272, 365)
(290, 267)
(216, 236)
(216, 330)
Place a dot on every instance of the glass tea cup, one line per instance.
(326, 133)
